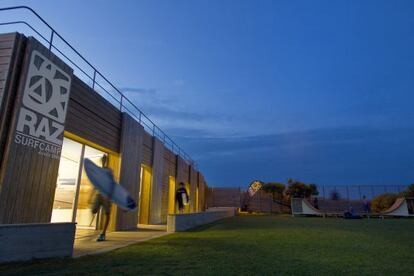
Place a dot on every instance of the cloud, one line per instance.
(351, 155)
(141, 91)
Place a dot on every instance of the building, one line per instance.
(50, 120)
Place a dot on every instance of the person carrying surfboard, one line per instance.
(104, 203)
(181, 196)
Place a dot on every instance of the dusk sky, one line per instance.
(320, 91)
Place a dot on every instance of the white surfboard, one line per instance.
(104, 181)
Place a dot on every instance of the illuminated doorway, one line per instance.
(171, 195)
(144, 195)
(67, 181)
(187, 207)
(197, 209)
(74, 193)
(87, 192)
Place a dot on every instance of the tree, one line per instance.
(314, 189)
(299, 189)
(276, 189)
(409, 192)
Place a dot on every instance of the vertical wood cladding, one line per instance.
(92, 117)
(131, 156)
(147, 153)
(224, 197)
(28, 176)
(183, 171)
(201, 193)
(157, 181)
(11, 54)
(193, 189)
(169, 170)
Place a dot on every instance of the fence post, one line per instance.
(51, 40)
(93, 81)
(347, 192)
(323, 190)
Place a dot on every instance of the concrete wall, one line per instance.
(182, 222)
(21, 242)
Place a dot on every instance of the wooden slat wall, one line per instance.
(193, 189)
(131, 155)
(28, 178)
(224, 197)
(11, 54)
(147, 153)
(201, 193)
(169, 170)
(92, 117)
(157, 182)
(182, 171)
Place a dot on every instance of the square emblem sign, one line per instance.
(42, 115)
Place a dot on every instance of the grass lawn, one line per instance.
(256, 244)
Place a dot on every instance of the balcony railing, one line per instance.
(94, 78)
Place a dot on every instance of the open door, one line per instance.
(171, 195)
(144, 197)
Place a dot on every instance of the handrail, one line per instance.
(121, 102)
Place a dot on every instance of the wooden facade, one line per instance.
(157, 181)
(87, 108)
(28, 179)
(193, 190)
(131, 158)
(11, 55)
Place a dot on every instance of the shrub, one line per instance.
(383, 202)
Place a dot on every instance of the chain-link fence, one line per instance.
(356, 192)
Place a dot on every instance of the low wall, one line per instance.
(21, 242)
(182, 222)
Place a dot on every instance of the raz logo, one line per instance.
(45, 102)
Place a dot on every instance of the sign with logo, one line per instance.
(40, 123)
(254, 187)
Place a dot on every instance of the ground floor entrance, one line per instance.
(74, 193)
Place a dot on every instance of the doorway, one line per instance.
(171, 195)
(74, 192)
(144, 195)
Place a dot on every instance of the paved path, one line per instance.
(86, 244)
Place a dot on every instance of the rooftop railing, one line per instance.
(99, 82)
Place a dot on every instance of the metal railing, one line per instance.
(104, 87)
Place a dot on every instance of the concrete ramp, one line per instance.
(398, 209)
(301, 206)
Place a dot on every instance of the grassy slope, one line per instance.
(257, 245)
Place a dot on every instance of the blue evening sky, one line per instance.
(320, 91)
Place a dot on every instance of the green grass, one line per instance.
(260, 245)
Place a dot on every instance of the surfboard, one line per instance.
(104, 182)
(185, 199)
